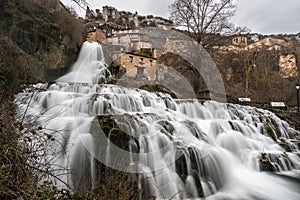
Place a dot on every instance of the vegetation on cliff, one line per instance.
(257, 75)
(36, 37)
(16, 68)
(39, 39)
(45, 31)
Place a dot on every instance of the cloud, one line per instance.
(144, 7)
(261, 16)
(269, 16)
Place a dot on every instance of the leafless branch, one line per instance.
(203, 17)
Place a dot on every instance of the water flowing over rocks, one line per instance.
(177, 148)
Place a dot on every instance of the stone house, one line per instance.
(133, 40)
(96, 35)
(269, 43)
(240, 41)
(130, 39)
(139, 66)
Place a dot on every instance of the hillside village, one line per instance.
(133, 50)
(287, 61)
(126, 20)
(240, 55)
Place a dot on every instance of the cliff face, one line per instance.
(127, 20)
(263, 68)
(44, 30)
(288, 66)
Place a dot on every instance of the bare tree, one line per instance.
(81, 3)
(203, 17)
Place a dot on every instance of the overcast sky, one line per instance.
(261, 16)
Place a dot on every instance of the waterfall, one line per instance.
(181, 148)
(90, 66)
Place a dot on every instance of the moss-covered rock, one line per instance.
(293, 118)
(111, 183)
(154, 87)
(113, 132)
(265, 164)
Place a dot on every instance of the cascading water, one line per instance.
(90, 66)
(182, 148)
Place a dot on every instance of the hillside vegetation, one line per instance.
(37, 36)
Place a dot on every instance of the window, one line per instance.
(131, 58)
(140, 70)
(151, 62)
(141, 61)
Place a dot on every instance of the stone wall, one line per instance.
(240, 44)
(269, 42)
(288, 66)
(96, 36)
(131, 61)
(240, 41)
